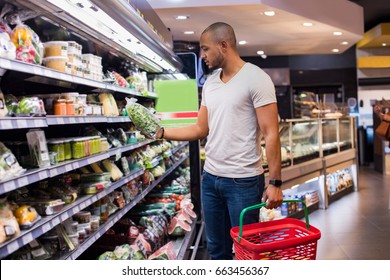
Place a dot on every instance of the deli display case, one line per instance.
(319, 157)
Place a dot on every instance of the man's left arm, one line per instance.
(268, 120)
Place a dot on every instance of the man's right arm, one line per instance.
(189, 133)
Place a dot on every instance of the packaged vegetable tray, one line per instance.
(143, 119)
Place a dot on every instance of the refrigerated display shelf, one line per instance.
(310, 208)
(41, 71)
(335, 196)
(35, 175)
(119, 214)
(49, 222)
(8, 123)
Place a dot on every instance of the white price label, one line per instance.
(68, 167)
(12, 247)
(60, 121)
(9, 186)
(27, 238)
(39, 123)
(55, 221)
(46, 227)
(21, 123)
(72, 120)
(45, 156)
(37, 71)
(42, 175)
(53, 172)
(6, 124)
(22, 182)
(48, 73)
(64, 77)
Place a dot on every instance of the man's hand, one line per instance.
(273, 196)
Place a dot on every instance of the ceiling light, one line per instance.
(344, 43)
(99, 21)
(307, 24)
(181, 17)
(242, 42)
(263, 56)
(189, 32)
(337, 33)
(384, 44)
(335, 50)
(269, 13)
(260, 52)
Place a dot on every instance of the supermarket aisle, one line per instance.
(357, 226)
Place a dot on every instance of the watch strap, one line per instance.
(275, 182)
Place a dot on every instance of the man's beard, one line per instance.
(217, 63)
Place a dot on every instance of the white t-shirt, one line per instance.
(233, 147)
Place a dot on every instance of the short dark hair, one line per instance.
(222, 32)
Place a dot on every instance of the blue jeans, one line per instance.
(223, 200)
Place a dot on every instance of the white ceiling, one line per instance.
(282, 34)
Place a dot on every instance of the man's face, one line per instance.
(211, 51)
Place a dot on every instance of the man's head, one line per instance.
(217, 41)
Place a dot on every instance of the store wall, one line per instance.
(316, 71)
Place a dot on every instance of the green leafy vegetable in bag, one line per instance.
(142, 118)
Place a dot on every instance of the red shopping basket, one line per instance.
(284, 239)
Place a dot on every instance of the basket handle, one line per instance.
(264, 204)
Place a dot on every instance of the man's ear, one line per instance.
(224, 45)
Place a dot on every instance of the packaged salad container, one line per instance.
(143, 119)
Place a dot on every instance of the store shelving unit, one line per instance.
(47, 223)
(42, 77)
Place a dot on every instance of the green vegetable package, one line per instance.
(143, 119)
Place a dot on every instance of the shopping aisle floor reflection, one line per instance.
(357, 226)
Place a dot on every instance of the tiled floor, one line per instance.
(356, 226)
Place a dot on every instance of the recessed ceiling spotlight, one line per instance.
(189, 32)
(182, 17)
(260, 52)
(344, 43)
(243, 42)
(337, 33)
(307, 24)
(263, 56)
(335, 50)
(269, 13)
(384, 44)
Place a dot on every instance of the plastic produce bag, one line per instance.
(28, 45)
(7, 47)
(143, 119)
(9, 166)
(9, 226)
(37, 145)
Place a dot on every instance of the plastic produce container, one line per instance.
(56, 62)
(55, 49)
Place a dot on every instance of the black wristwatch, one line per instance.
(275, 182)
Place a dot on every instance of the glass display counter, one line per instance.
(317, 149)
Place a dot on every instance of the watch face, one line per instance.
(276, 183)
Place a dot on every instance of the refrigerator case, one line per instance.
(315, 151)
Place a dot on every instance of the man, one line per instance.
(238, 108)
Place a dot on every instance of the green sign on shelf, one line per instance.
(177, 103)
